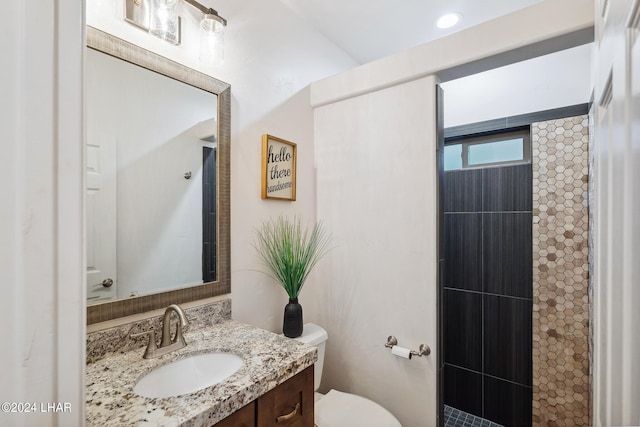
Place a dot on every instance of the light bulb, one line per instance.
(448, 20)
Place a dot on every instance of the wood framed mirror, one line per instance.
(199, 268)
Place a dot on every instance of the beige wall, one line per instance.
(376, 157)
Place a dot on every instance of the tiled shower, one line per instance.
(514, 297)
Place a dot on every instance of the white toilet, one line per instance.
(338, 409)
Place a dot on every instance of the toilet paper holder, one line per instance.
(423, 349)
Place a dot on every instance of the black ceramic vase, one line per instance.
(292, 324)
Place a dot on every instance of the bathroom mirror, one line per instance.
(157, 199)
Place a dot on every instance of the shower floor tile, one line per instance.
(456, 418)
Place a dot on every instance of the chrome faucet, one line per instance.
(167, 344)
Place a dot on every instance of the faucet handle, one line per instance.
(150, 352)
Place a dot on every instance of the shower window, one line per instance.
(499, 149)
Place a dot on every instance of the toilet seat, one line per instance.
(338, 409)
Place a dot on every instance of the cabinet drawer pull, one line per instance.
(290, 415)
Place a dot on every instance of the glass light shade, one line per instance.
(211, 23)
(211, 39)
(163, 22)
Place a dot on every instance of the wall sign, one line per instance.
(278, 168)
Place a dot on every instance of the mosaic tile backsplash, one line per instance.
(118, 339)
(560, 272)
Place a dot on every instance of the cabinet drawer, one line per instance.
(288, 405)
(245, 417)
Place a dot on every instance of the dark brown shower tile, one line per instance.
(462, 313)
(463, 251)
(507, 254)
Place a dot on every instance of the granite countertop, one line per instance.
(269, 360)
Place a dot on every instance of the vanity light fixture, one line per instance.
(160, 18)
(448, 20)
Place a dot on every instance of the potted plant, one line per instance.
(290, 251)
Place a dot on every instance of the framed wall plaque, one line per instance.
(278, 168)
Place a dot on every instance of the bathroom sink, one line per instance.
(188, 375)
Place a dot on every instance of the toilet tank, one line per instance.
(315, 335)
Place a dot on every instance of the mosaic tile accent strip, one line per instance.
(560, 272)
(456, 418)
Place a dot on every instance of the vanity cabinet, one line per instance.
(245, 417)
(288, 405)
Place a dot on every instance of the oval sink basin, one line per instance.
(188, 375)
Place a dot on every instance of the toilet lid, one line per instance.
(338, 409)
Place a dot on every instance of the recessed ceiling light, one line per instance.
(448, 20)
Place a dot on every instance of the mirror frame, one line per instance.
(136, 55)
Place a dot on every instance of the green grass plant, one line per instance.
(290, 251)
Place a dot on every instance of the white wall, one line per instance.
(556, 80)
(41, 176)
(270, 59)
(615, 205)
(377, 194)
(155, 124)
